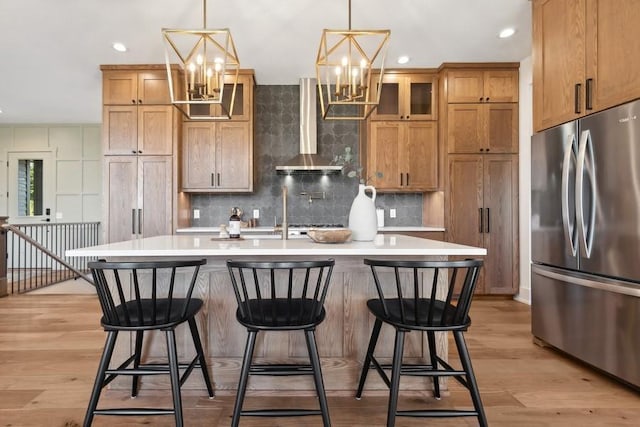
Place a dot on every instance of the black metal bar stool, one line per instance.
(281, 296)
(407, 303)
(138, 297)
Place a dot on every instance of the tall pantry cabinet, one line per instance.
(480, 135)
(139, 139)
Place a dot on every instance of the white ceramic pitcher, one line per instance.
(363, 221)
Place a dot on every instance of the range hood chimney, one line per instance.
(308, 161)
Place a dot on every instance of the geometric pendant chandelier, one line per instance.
(344, 67)
(202, 68)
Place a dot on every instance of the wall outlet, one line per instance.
(256, 213)
(58, 215)
(196, 214)
(392, 213)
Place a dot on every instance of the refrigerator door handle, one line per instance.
(585, 232)
(569, 227)
(586, 280)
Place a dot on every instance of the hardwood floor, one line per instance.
(50, 346)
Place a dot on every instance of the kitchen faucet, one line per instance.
(285, 222)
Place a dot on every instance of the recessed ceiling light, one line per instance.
(0, 110)
(403, 59)
(507, 32)
(119, 47)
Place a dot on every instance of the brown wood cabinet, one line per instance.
(586, 57)
(242, 103)
(138, 196)
(217, 157)
(139, 139)
(482, 210)
(482, 128)
(407, 96)
(127, 87)
(406, 153)
(472, 86)
(480, 132)
(134, 130)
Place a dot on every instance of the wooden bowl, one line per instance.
(330, 236)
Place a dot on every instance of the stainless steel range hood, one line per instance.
(308, 161)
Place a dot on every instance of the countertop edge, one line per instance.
(203, 246)
(205, 230)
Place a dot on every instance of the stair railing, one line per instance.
(36, 257)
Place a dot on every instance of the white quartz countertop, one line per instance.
(258, 230)
(206, 245)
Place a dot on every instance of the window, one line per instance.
(30, 187)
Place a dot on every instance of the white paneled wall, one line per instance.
(77, 170)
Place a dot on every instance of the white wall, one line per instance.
(526, 130)
(77, 166)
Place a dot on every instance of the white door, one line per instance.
(30, 186)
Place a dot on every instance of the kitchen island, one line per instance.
(342, 337)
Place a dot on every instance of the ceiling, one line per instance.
(50, 51)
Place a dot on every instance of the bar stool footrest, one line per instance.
(435, 413)
(284, 369)
(281, 412)
(134, 411)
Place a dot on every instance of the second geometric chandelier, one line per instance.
(344, 66)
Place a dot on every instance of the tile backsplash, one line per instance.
(276, 140)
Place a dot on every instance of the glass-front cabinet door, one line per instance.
(407, 97)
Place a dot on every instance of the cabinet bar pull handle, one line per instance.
(213, 184)
(479, 220)
(140, 221)
(401, 180)
(576, 97)
(407, 178)
(488, 222)
(218, 179)
(133, 221)
(589, 90)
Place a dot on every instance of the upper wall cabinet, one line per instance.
(242, 102)
(407, 96)
(217, 157)
(120, 87)
(473, 86)
(406, 154)
(482, 128)
(586, 57)
(138, 130)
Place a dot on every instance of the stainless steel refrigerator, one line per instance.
(585, 239)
